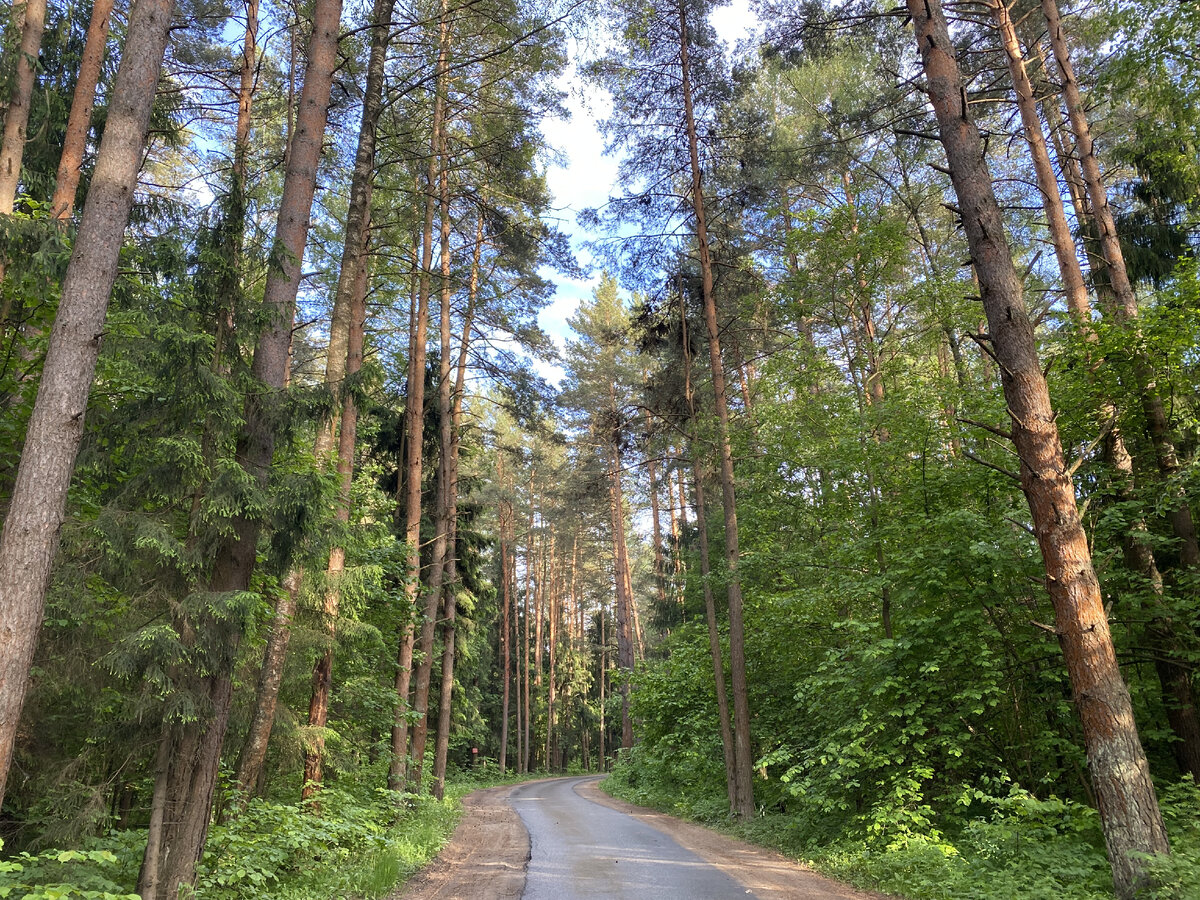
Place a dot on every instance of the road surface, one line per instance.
(564, 839)
(582, 849)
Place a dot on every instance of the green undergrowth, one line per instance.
(1016, 847)
(358, 843)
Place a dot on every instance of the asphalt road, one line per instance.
(582, 849)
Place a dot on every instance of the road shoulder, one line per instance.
(485, 858)
(769, 875)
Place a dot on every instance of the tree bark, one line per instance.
(441, 539)
(506, 612)
(1128, 806)
(322, 678)
(441, 747)
(737, 631)
(16, 119)
(358, 214)
(710, 605)
(414, 417)
(266, 697)
(193, 776)
(621, 579)
(1056, 220)
(38, 503)
(660, 567)
(79, 120)
(1174, 677)
(527, 751)
(1125, 310)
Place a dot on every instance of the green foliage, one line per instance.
(64, 875)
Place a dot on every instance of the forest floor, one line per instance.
(488, 855)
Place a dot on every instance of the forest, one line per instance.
(854, 512)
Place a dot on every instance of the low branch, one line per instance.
(988, 465)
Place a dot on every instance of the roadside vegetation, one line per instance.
(358, 843)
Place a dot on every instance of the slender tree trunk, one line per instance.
(552, 686)
(527, 706)
(1174, 677)
(193, 777)
(1129, 809)
(358, 214)
(1056, 219)
(737, 632)
(624, 601)
(322, 678)
(79, 120)
(343, 361)
(38, 504)
(603, 679)
(710, 604)
(441, 548)
(266, 697)
(148, 877)
(414, 415)
(660, 567)
(16, 119)
(539, 602)
(1125, 310)
(516, 637)
(442, 743)
(506, 593)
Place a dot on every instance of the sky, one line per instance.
(586, 176)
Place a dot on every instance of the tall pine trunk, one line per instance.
(743, 761)
(192, 774)
(441, 747)
(38, 504)
(322, 677)
(1174, 677)
(441, 539)
(1125, 309)
(622, 581)
(16, 119)
(1128, 806)
(266, 696)
(716, 654)
(414, 419)
(79, 120)
(343, 360)
(506, 575)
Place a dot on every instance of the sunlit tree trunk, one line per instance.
(38, 504)
(1125, 310)
(193, 775)
(12, 146)
(437, 563)
(442, 743)
(414, 418)
(79, 120)
(1174, 677)
(527, 749)
(1128, 806)
(266, 696)
(506, 611)
(322, 677)
(710, 604)
(737, 631)
(1056, 220)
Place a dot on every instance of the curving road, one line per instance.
(582, 849)
(564, 839)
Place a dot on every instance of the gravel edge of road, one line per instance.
(768, 874)
(485, 857)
